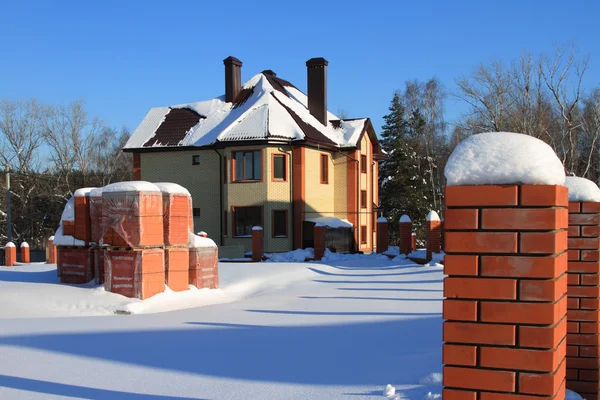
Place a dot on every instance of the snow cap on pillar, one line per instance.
(581, 189)
(405, 218)
(10, 244)
(433, 216)
(24, 244)
(382, 220)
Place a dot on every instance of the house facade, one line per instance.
(265, 154)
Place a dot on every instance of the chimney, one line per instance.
(233, 78)
(317, 88)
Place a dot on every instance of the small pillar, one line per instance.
(382, 235)
(433, 232)
(583, 305)
(413, 241)
(51, 249)
(405, 233)
(319, 235)
(203, 234)
(25, 257)
(10, 254)
(257, 243)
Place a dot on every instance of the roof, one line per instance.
(267, 108)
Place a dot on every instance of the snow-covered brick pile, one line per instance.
(581, 189)
(331, 222)
(60, 239)
(172, 188)
(195, 241)
(84, 192)
(497, 158)
(131, 186)
(68, 213)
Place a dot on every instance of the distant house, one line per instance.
(264, 154)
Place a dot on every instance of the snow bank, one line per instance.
(172, 188)
(131, 186)
(405, 218)
(68, 213)
(432, 216)
(10, 244)
(24, 244)
(61, 239)
(84, 192)
(298, 255)
(331, 222)
(581, 189)
(195, 241)
(389, 391)
(496, 158)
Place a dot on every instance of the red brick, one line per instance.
(589, 375)
(590, 279)
(584, 243)
(524, 267)
(480, 288)
(580, 362)
(572, 327)
(574, 207)
(459, 355)
(544, 195)
(584, 291)
(544, 242)
(543, 290)
(451, 394)
(513, 396)
(574, 255)
(589, 304)
(591, 207)
(584, 219)
(460, 196)
(463, 332)
(592, 231)
(473, 378)
(461, 219)
(460, 265)
(481, 242)
(524, 313)
(572, 303)
(572, 374)
(589, 267)
(521, 359)
(590, 255)
(590, 351)
(572, 351)
(574, 279)
(589, 327)
(574, 231)
(577, 339)
(542, 384)
(460, 310)
(583, 315)
(543, 337)
(584, 387)
(523, 218)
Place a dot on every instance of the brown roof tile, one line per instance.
(174, 128)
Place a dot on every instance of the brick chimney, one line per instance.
(317, 88)
(233, 78)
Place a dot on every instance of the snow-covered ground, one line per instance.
(339, 329)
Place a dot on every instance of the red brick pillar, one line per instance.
(257, 243)
(25, 258)
(10, 254)
(583, 315)
(505, 315)
(319, 235)
(442, 232)
(382, 235)
(51, 251)
(405, 234)
(433, 234)
(413, 241)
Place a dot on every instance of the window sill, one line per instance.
(248, 181)
(243, 237)
(279, 180)
(280, 237)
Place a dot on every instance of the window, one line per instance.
(196, 160)
(279, 167)
(225, 169)
(196, 212)
(280, 223)
(244, 218)
(363, 164)
(247, 165)
(363, 199)
(363, 234)
(324, 168)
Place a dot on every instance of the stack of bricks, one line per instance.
(204, 264)
(583, 338)
(95, 201)
(505, 308)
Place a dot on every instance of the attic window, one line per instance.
(195, 159)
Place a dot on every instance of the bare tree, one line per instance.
(20, 134)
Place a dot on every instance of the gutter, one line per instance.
(220, 196)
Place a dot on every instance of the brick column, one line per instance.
(382, 235)
(505, 307)
(442, 232)
(257, 243)
(583, 315)
(25, 258)
(51, 251)
(413, 241)
(433, 234)
(10, 254)
(405, 234)
(319, 236)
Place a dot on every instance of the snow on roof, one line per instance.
(581, 189)
(331, 222)
(405, 218)
(24, 244)
(68, 213)
(172, 188)
(83, 192)
(496, 158)
(269, 108)
(10, 244)
(96, 192)
(131, 186)
(432, 216)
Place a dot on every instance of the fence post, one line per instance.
(413, 241)
(10, 254)
(405, 234)
(257, 243)
(319, 235)
(51, 251)
(382, 235)
(25, 254)
(433, 233)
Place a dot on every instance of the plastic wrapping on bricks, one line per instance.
(83, 230)
(176, 215)
(177, 268)
(75, 264)
(99, 265)
(96, 218)
(132, 219)
(136, 273)
(68, 227)
(204, 267)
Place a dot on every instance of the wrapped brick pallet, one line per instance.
(135, 273)
(204, 262)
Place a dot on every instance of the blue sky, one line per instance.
(126, 57)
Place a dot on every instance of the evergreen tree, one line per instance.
(401, 177)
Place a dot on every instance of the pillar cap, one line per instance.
(433, 216)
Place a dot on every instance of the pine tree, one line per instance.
(403, 187)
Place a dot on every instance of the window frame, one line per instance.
(233, 165)
(324, 168)
(194, 159)
(363, 237)
(233, 218)
(285, 167)
(225, 222)
(273, 224)
(363, 164)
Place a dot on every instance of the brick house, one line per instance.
(264, 154)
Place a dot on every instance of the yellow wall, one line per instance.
(319, 196)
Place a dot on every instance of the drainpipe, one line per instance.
(357, 196)
(220, 196)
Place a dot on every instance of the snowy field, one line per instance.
(338, 329)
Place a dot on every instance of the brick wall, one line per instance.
(583, 351)
(505, 307)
